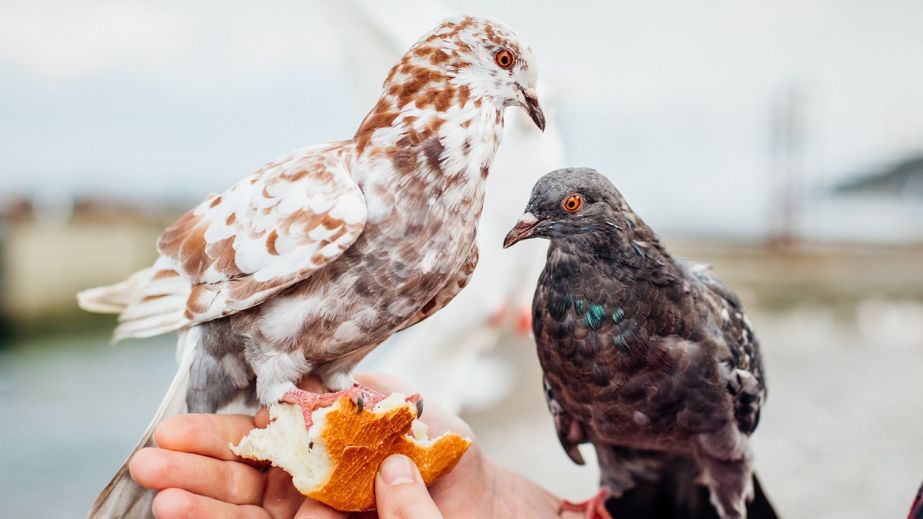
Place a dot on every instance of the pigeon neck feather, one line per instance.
(628, 246)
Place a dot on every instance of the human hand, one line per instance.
(198, 475)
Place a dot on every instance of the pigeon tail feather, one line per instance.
(678, 495)
(147, 306)
(123, 497)
(113, 299)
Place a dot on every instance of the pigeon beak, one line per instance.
(531, 106)
(523, 229)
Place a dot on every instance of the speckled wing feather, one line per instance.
(267, 232)
(746, 378)
(449, 291)
(570, 431)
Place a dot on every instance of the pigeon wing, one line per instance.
(570, 431)
(448, 292)
(269, 231)
(742, 363)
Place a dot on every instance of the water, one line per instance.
(839, 437)
(71, 410)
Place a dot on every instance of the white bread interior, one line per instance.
(304, 454)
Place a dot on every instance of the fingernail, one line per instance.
(397, 470)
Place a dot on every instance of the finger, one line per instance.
(228, 481)
(400, 492)
(262, 417)
(311, 509)
(176, 503)
(281, 498)
(205, 434)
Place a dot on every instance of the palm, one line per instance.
(199, 476)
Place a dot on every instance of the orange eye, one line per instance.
(504, 59)
(572, 203)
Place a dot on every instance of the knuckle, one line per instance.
(172, 503)
(230, 481)
(174, 431)
(167, 430)
(148, 466)
(240, 486)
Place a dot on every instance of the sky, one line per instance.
(170, 100)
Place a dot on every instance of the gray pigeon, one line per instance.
(647, 357)
(312, 261)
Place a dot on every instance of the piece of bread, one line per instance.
(336, 460)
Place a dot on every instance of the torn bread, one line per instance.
(336, 460)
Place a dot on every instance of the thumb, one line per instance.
(400, 492)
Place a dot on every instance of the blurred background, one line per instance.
(782, 142)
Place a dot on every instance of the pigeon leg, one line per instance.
(593, 508)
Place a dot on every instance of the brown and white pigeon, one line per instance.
(309, 263)
(649, 358)
(458, 367)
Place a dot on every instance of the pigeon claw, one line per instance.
(362, 396)
(417, 400)
(592, 508)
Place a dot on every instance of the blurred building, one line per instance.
(47, 254)
(900, 181)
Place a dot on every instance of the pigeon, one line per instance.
(649, 358)
(916, 509)
(309, 263)
(460, 367)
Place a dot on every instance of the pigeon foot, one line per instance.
(364, 397)
(524, 321)
(497, 315)
(593, 508)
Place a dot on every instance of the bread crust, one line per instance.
(356, 444)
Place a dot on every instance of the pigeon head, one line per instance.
(467, 57)
(568, 204)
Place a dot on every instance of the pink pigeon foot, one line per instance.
(497, 316)
(309, 402)
(593, 508)
(524, 320)
(362, 396)
(416, 400)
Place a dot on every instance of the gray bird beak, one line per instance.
(531, 106)
(523, 229)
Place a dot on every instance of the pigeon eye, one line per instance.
(504, 59)
(572, 203)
